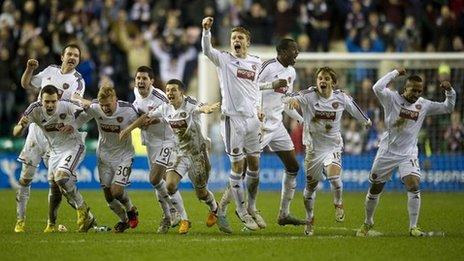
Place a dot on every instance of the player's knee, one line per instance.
(292, 168)
(237, 167)
(171, 187)
(202, 193)
(155, 179)
(24, 182)
(376, 188)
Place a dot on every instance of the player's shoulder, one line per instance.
(311, 90)
(157, 93)
(191, 101)
(32, 107)
(268, 64)
(341, 94)
(127, 106)
(254, 58)
(78, 75)
(69, 102)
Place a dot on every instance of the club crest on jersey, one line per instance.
(235, 150)
(246, 74)
(408, 114)
(335, 105)
(418, 106)
(119, 119)
(289, 80)
(183, 114)
(254, 67)
(63, 116)
(65, 86)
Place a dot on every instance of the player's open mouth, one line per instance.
(237, 47)
(323, 86)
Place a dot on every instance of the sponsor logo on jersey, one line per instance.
(63, 116)
(53, 126)
(65, 86)
(335, 105)
(325, 115)
(246, 74)
(178, 124)
(110, 128)
(119, 119)
(408, 114)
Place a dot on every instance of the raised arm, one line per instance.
(436, 108)
(20, 126)
(207, 109)
(380, 87)
(208, 49)
(26, 78)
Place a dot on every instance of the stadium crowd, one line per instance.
(116, 37)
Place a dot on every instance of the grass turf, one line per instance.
(332, 240)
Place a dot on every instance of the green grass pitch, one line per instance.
(332, 240)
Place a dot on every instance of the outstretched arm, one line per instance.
(356, 112)
(293, 114)
(207, 109)
(136, 124)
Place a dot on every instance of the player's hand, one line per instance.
(32, 64)
(124, 134)
(445, 85)
(280, 86)
(207, 109)
(293, 104)
(368, 124)
(207, 23)
(85, 103)
(67, 129)
(24, 121)
(261, 115)
(401, 70)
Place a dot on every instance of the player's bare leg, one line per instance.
(172, 180)
(288, 158)
(336, 185)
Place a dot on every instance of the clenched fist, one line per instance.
(207, 23)
(32, 64)
(445, 85)
(401, 70)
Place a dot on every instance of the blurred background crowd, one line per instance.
(117, 36)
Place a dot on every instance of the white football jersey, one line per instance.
(403, 120)
(159, 132)
(322, 117)
(68, 84)
(272, 105)
(65, 114)
(238, 79)
(185, 122)
(109, 146)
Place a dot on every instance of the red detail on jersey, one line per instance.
(246, 74)
(281, 90)
(53, 127)
(408, 114)
(418, 106)
(119, 119)
(110, 128)
(325, 115)
(335, 105)
(178, 124)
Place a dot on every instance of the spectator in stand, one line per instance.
(454, 134)
(7, 91)
(315, 16)
(256, 20)
(285, 19)
(445, 27)
(408, 38)
(355, 18)
(353, 139)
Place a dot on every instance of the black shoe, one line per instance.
(120, 227)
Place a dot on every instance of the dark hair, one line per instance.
(179, 83)
(414, 78)
(146, 69)
(48, 89)
(243, 30)
(328, 70)
(284, 45)
(71, 45)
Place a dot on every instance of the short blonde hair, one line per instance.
(106, 92)
(242, 30)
